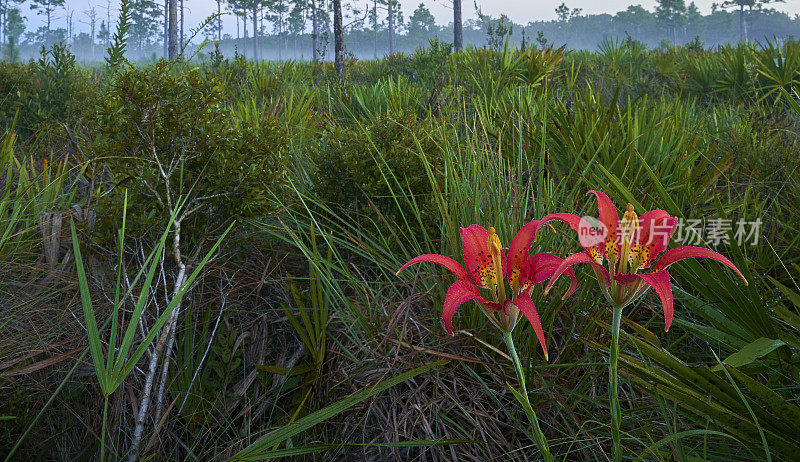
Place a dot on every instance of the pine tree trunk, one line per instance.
(374, 29)
(93, 24)
(182, 36)
(173, 29)
(458, 39)
(219, 21)
(2, 21)
(166, 28)
(255, 31)
(338, 38)
(314, 31)
(741, 23)
(390, 4)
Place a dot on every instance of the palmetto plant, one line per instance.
(702, 72)
(778, 68)
(736, 70)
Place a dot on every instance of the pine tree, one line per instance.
(213, 31)
(751, 5)
(239, 9)
(458, 39)
(13, 27)
(91, 16)
(46, 8)
(394, 18)
(671, 13)
(172, 30)
(314, 31)
(338, 38)
(219, 20)
(103, 35)
(296, 21)
(421, 22)
(145, 15)
(6, 8)
(278, 10)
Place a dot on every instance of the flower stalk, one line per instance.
(613, 377)
(523, 398)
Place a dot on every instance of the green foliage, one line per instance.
(116, 52)
(359, 170)
(778, 68)
(11, 50)
(732, 402)
(489, 73)
(39, 96)
(210, 361)
(32, 195)
(118, 364)
(428, 62)
(112, 367)
(170, 133)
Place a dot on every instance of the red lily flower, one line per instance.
(488, 267)
(628, 246)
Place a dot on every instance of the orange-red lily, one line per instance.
(628, 246)
(488, 267)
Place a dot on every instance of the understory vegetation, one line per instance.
(198, 260)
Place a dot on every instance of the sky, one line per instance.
(520, 12)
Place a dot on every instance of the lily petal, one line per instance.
(655, 229)
(680, 253)
(518, 252)
(574, 259)
(607, 214)
(452, 265)
(571, 219)
(526, 306)
(477, 257)
(458, 293)
(540, 267)
(661, 283)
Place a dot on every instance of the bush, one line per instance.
(166, 133)
(43, 94)
(362, 170)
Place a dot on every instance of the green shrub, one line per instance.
(165, 133)
(362, 170)
(43, 94)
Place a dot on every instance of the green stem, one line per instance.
(540, 440)
(103, 431)
(616, 413)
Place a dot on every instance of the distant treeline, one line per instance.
(289, 36)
